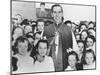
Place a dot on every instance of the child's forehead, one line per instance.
(89, 54)
(22, 42)
(42, 43)
(72, 56)
(90, 39)
(80, 43)
(41, 22)
(18, 29)
(28, 27)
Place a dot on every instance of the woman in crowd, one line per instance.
(72, 61)
(43, 63)
(24, 61)
(90, 43)
(89, 59)
(84, 34)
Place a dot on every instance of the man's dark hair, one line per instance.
(56, 5)
(42, 3)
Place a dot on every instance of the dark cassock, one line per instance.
(60, 39)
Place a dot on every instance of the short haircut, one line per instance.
(40, 20)
(21, 39)
(88, 51)
(56, 5)
(42, 41)
(42, 3)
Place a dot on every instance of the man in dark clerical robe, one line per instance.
(60, 38)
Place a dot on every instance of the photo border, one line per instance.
(49, 3)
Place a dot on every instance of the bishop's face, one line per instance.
(57, 14)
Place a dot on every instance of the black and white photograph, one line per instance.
(51, 37)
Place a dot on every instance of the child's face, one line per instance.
(42, 49)
(19, 19)
(28, 29)
(83, 27)
(77, 37)
(89, 42)
(91, 32)
(17, 33)
(23, 47)
(89, 58)
(69, 24)
(72, 60)
(91, 25)
(83, 35)
(40, 26)
(81, 47)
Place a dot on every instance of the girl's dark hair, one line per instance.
(21, 39)
(73, 53)
(25, 22)
(80, 41)
(42, 41)
(28, 35)
(88, 51)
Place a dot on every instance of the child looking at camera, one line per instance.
(72, 61)
(89, 59)
(43, 62)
